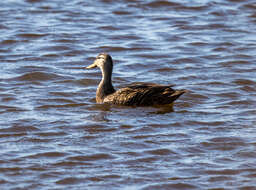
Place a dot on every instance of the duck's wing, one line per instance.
(144, 94)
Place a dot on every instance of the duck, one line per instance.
(135, 94)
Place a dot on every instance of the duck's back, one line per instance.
(144, 94)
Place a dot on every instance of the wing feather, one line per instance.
(144, 94)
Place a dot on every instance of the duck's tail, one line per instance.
(174, 96)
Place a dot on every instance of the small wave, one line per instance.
(60, 106)
(34, 1)
(37, 76)
(50, 134)
(30, 35)
(47, 155)
(2, 26)
(159, 4)
(223, 143)
(104, 177)
(18, 129)
(4, 109)
(225, 172)
(244, 82)
(54, 48)
(121, 12)
(69, 180)
(181, 185)
(8, 42)
(160, 152)
(92, 157)
(112, 48)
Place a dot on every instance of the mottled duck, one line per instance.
(136, 94)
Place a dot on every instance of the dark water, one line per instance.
(54, 136)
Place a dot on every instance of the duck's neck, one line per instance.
(105, 87)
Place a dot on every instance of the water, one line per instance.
(54, 136)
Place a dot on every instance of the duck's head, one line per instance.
(103, 61)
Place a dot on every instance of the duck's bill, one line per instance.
(91, 66)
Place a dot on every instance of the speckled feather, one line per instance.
(144, 95)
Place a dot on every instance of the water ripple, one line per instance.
(54, 134)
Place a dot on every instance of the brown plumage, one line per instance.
(136, 94)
